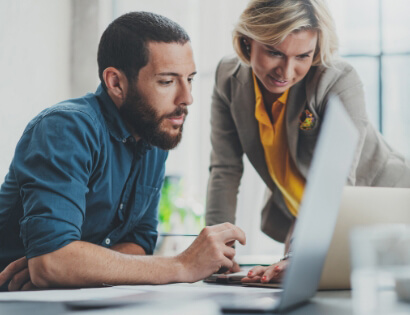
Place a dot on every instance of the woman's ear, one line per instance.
(116, 84)
(246, 41)
(247, 44)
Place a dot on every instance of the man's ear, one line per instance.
(117, 85)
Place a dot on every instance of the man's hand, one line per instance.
(18, 273)
(210, 251)
(272, 273)
(235, 267)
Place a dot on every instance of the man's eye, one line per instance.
(165, 82)
(190, 80)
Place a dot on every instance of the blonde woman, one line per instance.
(268, 103)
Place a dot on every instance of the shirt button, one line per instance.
(107, 241)
(121, 206)
(124, 140)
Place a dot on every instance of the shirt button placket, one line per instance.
(107, 241)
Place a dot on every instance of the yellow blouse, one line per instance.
(281, 166)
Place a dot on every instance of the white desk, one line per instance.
(324, 303)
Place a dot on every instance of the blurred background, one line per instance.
(48, 54)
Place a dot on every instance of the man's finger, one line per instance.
(229, 252)
(13, 268)
(226, 262)
(235, 267)
(19, 279)
(28, 286)
(220, 227)
(232, 234)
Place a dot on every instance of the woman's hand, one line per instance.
(272, 273)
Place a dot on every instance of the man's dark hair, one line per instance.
(123, 44)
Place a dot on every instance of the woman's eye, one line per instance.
(303, 56)
(275, 53)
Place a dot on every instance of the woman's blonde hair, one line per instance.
(270, 21)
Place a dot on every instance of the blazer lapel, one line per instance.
(243, 111)
(294, 106)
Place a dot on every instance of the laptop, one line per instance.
(361, 206)
(318, 212)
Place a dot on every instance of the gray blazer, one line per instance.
(235, 131)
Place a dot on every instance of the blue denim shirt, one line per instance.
(78, 174)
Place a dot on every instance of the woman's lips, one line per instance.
(278, 83)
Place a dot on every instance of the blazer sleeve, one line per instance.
(349, 89)
(345, 84)
(226, 167)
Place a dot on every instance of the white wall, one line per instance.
(34, 63)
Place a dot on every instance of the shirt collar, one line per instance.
(284, 97)
(260, 110)
(115, 123)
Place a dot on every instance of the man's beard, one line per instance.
(146, 123)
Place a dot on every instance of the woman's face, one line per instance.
(280, 67)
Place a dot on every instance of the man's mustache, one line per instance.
(182, 110)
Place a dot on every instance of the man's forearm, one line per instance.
(129, 248)
(82, 264)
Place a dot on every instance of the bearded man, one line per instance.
(79, 205)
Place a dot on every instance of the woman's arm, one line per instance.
(288, 240)
(345, 84)
(226, 166)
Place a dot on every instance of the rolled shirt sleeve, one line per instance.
(52, 165)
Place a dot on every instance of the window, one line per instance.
(374, 38)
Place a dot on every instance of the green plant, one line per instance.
(174, 202)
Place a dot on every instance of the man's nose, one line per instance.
(184, 96)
